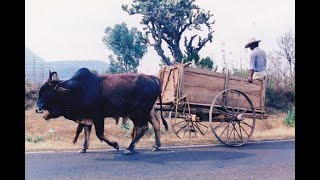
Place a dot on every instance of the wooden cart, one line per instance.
(197, 99)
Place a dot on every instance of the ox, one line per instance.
(90, 96)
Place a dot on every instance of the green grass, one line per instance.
(34, 138)
(290, 118)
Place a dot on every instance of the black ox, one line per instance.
(90, 96)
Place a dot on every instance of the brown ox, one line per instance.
(90, 96)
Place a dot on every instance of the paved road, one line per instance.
(263, 160)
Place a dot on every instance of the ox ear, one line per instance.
(61, 89)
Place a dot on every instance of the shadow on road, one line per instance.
(165, 156)
(266, 145)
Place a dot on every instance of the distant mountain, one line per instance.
(37, 69)
(30, 57)
(66, 69)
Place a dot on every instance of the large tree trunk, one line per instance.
(160, 52)
(177, 54)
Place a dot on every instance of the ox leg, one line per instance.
(99, 126)
(140, 130)
(155, 122)
(78, 131)
(87, 131)
(133, 132)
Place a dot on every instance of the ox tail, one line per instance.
(164, 122)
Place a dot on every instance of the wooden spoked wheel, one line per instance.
(232, 117)
(185, 124)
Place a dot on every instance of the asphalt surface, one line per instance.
(262, 160)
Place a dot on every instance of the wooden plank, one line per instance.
(216, 74)
(253, 91)
(200, 108)
(201, 95)
(203, 72)
(169, 81)
(215, 81)
(202, 88)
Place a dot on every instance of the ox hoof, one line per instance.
(117, 147)
(82, 151)
(127, 152)
(154, 149)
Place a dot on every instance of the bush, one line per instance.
(244, 73)
(34, 139)
(31, 94)
(279, 95)
(290, 119)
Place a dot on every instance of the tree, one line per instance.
(126, 45)
(282, 59)
(167, 20)
(286, 44)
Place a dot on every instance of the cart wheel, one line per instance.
(183, 124)
(232, 117)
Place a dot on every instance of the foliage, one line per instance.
(286, 44)
(31, 94)
(34, 139)
(166, 21)
(278, 95)
(290, 119)
(126, 126)
(203, 63)
(115, 66)
(282, 60)
(127, 45)
(244, 73)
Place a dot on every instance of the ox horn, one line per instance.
(61, 89)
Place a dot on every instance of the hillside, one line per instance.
(37, 69)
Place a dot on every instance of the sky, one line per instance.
(73, 29)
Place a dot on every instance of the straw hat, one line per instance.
(252, 40)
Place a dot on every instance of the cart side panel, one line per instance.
(202, 86)
(252, 90)
(169, 79)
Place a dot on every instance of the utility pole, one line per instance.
(34, 70)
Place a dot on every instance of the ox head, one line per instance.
(50, 98)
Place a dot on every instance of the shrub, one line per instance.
(279, 96)
(244, 73)
(34, 139)
(290, 119)
(31, 94)
(125, 126)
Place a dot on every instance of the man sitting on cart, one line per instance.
(258, 61)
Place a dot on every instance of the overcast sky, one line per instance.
(73, 29)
